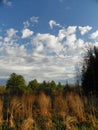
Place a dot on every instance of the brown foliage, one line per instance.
(27, 101)
(41, 109)
(44, 103)
(60, 105)
(1, 111)
(75, 105)
(28, 124)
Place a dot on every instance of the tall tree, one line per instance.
(16, 83)
(90, 72)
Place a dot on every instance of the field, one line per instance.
(64, 109)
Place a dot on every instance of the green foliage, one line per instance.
(59, 124)
(15, 80)
(2, 89)
(47, 87)
(60, 87)
(34, 85)
(53, 85)
(16, 83)
(85, 126)
(6, 127)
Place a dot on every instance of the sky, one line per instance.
(46, 39)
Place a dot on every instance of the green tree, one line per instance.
(16, 83)
(34, 85)
(53, 85)
(60, 86)
(47, 87)
(90, 72)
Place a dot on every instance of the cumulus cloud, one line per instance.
(84, 30)
(43, 56)
(53, 23)
(48, 43)
(94, 35)
(26, 33)
(71, 30)
(63, 33)
(70, 40)
(10, 36)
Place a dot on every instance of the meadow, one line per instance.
(48, 108)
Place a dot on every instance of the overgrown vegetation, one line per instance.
(51, 106)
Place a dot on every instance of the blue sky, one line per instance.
(46, 39)
(66, 12)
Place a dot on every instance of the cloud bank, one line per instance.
(43, 56)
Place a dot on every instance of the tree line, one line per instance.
(16, 84)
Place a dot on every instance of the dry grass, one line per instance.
(15, 107)
(70, 109)
(91, 108)
(70, 122)
(44, 104)
(21, 108)
(1, 111)
(27, 102)
(28, 124)
(75, 105)
(60, 105)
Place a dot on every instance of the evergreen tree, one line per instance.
(90, 72)
(16, 83)
(34, 85)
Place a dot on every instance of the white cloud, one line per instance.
(26, 33)
(11, 32)
(70, 40)
(66, 32)
(53, 23)
(80, 43)
(31, 21)
(42, 56)
(7, 2)
(34, 19)
(85, 29)
(71, 30)
(10, 36)
(94, 35)
(62, 34)
(48, 42)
